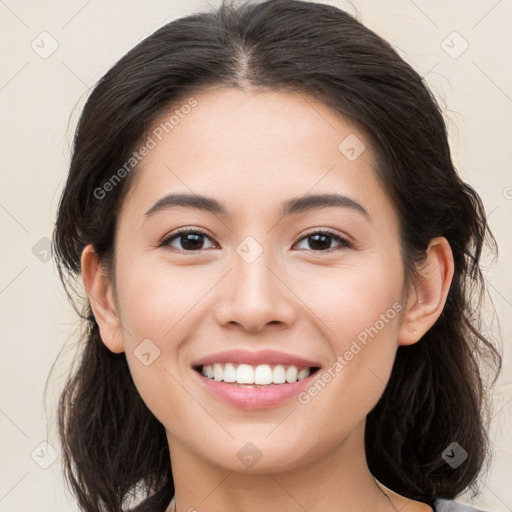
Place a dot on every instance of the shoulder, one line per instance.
(443, 505)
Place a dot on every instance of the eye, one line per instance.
(321, 240)
(191, 239)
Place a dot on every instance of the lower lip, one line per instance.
(253, 398)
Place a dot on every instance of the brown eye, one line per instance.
(321, 241)
(190, 239)
(193, 239)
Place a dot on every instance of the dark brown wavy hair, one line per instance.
(438, 391)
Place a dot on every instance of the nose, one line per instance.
(255, 295)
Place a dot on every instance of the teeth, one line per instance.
(217, 372)
(245, 374)
(229, 373)
(261, 375)
(279, 374)
(303, 373)
(291, 374)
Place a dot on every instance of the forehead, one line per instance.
(255, 148)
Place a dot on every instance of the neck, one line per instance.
(336, 479)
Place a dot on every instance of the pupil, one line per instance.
(191, 241)
(316, 239)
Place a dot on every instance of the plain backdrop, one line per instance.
(53, 52)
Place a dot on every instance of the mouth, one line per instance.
(254, 388)
(255, 376)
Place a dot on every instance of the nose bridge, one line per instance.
(255, 295)
(254, 279)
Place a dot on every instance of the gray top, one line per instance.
(452, 506)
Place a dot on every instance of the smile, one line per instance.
(254, 380)
(260, 375)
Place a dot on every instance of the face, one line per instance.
(324, 284)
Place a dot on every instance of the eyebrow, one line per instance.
(291, 206)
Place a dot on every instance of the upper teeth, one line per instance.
(261, 374)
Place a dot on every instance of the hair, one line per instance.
(437, 392)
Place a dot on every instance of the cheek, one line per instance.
(350, 299)
(362, 310)
(160, 307)
(157, 301)
(155, 310)
(160, 389)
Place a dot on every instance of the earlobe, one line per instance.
(99, 292)
(427, 295)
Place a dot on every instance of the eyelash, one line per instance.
(344, 243)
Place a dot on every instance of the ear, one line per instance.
(427, 295)
(99, 291)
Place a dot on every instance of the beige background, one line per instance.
(40, 99)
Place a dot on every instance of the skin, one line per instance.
(253, 150)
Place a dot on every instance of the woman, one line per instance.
(233, 360)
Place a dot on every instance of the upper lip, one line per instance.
(241, 356)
